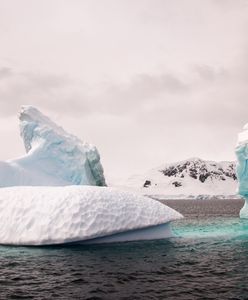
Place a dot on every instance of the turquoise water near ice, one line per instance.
(211, 227)
(207, 259)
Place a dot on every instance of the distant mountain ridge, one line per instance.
(201, 170)
(193, 177)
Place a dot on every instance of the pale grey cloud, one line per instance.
(51, 91)
(5, 72)
(139, 93)
(209, 73)
(45, 90)
(231, 4)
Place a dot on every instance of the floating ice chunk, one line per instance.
(242, 168)
(58, 215)
(54, 157)
(242, 165)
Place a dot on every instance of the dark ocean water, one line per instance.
(208, 259)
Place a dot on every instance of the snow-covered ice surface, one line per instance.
(193, 178)
(54, 157)
(58, 215)
(242, 168)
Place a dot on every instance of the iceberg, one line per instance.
(56, 194)
(53, 156)
(79, 214)
(241, 151)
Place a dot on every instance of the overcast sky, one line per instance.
(146, 81)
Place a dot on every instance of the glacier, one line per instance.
(53, 156)
(48, 215)
(241, 151)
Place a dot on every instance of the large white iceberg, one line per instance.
(54, 157)
(48, 196)
(79, 214)
(242, 168)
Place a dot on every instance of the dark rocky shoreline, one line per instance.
(206, 208)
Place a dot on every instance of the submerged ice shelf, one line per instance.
(58, 215)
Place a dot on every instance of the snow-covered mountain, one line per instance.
(191, 178)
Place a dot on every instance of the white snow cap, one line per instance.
(243, 136)
(54, 157)
(55, 215)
